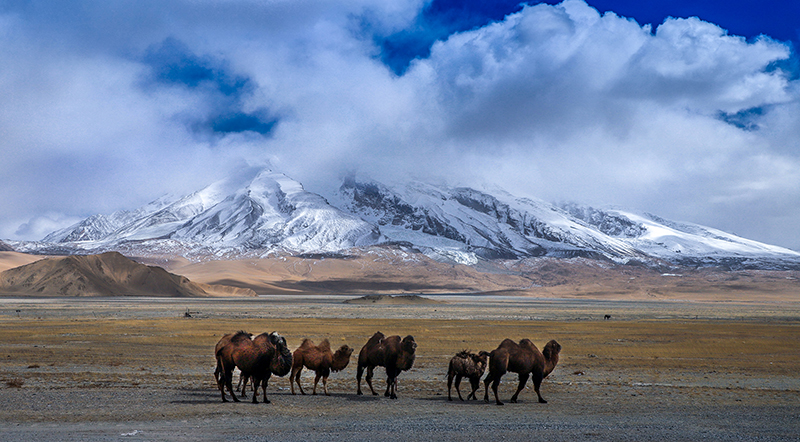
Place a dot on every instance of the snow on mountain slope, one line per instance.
(491, 226)
(261, 211)
(271, 211)
(448, 221)
(274, 210)
(675, 241)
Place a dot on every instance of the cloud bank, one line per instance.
(107, 107)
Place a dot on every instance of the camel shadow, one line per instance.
(363, 398)
(454, 402)
(197, 397)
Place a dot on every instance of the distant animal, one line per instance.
(258, 358)
(394, 354)
(320, 359)
(523, 358)
(218, 369)
(607, 317)
(469, 365)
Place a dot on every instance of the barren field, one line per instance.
(140, 369)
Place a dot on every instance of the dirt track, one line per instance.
(122, 369)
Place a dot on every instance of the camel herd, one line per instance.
(259, 357)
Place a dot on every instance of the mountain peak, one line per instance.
(263, 211)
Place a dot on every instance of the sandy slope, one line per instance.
(543, 277)
(9, 260)
(107, 274)
(391, 271)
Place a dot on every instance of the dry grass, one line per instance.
(64, 353)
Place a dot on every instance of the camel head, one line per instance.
(550, 353)
(405, 359)
(282, 362)
(551, 350)
(341, 358)
(345, 350)
(277, 340)
(409, 345)
(482, 358)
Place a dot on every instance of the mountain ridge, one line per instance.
(265, 212)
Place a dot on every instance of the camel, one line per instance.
(226, 339)
(258, 358)
(392, 353)
(469, 365)
(523, 358)
(320, 359)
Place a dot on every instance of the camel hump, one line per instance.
(463, 354)
(307, 343)
(527, 343)
(240, 336)
(324, 345)
(375, 339)
(507, 343)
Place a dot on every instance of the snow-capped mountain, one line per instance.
(466, 220)
(458, 222)
(262, 211)
(271, 211)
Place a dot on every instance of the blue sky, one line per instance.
(689, 110)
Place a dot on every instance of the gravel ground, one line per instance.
(584, 412)
(105, 394)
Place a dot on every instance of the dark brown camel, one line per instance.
(469, 365)
(392, 353)
(320, 359)
(257, 358)
(523, 358)
(226, 339)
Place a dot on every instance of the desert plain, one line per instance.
(700, 357)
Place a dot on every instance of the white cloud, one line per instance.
(555, 102)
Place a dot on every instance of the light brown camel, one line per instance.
(523, 358)
(392, 353)
(320, 359)
(226, 339)
(258, 358)
(469, 365)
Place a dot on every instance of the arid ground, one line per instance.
(141, 369)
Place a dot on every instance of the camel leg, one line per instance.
(359, 372)
(242, 388)
(495, 383)
(292, 379)
(325, 385)
(256, 383)
(229, 384)
(370, 372)
(390, 388)
(228, 379)
(537, 382)
(450, 375)
(486, 383)
(391, 383)
(264, 389)
(316, 381)
(474, 382)
(523, 378)
(458, 386)
(295, 377)
(221, 386)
